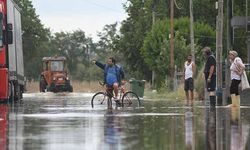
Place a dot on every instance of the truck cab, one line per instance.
(54, 76)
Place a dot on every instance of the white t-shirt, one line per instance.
(235, 67)
(188, 70)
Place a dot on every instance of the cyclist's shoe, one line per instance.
(118, 103)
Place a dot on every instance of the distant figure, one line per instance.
(113, 74)
(189, 72)
(237, 67)
(210, 74)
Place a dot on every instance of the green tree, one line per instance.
(155, 50)
(35, 39)
(106, 46)
(77, 48)
(139, 22)
(133, 31)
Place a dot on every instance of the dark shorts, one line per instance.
(234, 87)
(212, 85)
(189, 84)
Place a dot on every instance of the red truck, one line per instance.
(12, 80)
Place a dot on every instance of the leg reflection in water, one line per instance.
(239, 131)
(211, 128)
(111, 131)
(189, 129)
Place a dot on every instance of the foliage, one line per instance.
(139, 23)
(106, 46)
(76, 47)
(133, 31)
(155, 50)
(199, 85)
(35, 39)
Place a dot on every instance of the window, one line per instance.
(56, 65)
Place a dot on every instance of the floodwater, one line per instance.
(66, 121)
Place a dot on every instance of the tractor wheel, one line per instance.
(42, 86)
(70, 88)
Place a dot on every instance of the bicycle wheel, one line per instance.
(99, 99)
(130, 99)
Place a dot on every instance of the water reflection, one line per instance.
(70, 123)
(239, 130)
(189, 129)
(3, 126)
(210, 123)
(15, 126)
(112, 129)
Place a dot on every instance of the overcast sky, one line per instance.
(88, 15)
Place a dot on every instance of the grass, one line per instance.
(166, 94)
(33, 87)
(78, 86)
(178, 95)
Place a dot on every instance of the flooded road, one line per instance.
(48, 121)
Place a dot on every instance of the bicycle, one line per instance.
(127, 98)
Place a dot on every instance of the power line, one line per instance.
(102, 6)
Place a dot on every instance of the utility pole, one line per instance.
(248, 33)
(229, 47)
(192, 29)
(219, 48)
(153, 72)
(172, 40)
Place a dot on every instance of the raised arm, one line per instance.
(99, 64)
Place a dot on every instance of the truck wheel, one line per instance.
(11, 92)
(18, 93)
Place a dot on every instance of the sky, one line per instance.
(88, 15)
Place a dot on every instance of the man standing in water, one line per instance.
(210, 74)
(189, 72)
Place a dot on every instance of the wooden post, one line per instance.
(171, 40)
(192, 29)
(219, 48)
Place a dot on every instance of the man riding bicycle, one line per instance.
(113, 75)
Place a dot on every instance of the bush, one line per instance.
(199, 85)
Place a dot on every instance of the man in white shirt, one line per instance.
(189, 72)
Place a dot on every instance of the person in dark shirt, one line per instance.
(210, 74)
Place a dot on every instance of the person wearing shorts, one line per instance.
(113, 74)
(189, 71)
(237, 67)
(210, 74)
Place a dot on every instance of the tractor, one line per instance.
(54, 77)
